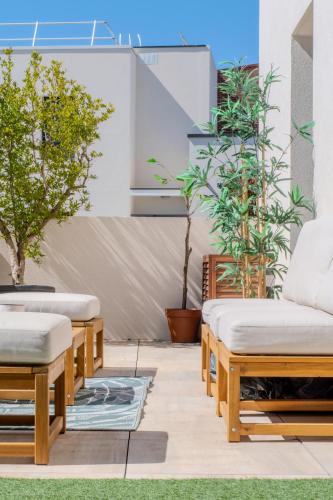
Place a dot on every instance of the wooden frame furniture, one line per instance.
(94, 331)
(46, 428)
(226, 388)
(74, 371)
(75, 365)
(83, 311)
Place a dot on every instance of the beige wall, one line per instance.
(134, 265)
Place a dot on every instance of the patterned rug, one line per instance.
(113, 403)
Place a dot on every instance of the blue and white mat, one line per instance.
(113, 403)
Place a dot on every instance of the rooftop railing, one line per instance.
(91, 38)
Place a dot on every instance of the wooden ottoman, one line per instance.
(83, 310)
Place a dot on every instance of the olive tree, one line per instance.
(49, 124)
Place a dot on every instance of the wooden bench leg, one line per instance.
(60, 400)
(89, 351)
(220, 385)
(233, 403)
(80, 366)
(42, 419)
(100, 347)
(203, 357)
(69, 370)
(208, 368)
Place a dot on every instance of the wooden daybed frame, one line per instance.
(225, 387)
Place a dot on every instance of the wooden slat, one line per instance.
(17, 382)
(287, 429)
(97, 363)
(287, 405)
(78, 383)
(8, 420)
(55, 429)
(17, 449)
(21, 395)
(290, 369)
(16, 369)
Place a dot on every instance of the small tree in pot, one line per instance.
(48, 124)
(183, 323)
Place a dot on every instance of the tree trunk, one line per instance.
(17, 264)
(188, 251)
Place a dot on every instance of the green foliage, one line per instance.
(48, 125)
(239, 180)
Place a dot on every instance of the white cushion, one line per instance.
(285, 329)
(33, 338)
(307, 279)
(77, 307)
(210, 306)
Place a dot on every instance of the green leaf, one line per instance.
(160, 179)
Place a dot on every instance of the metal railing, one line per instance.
(89, 40)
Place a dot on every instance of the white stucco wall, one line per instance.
(174, 97)
(109, 74)
(278, 22)
(323, 104)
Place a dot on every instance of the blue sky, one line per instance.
(230, 27)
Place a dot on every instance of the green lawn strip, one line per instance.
(196, 489)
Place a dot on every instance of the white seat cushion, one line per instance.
(307, 279)
(33, 338)
(217, 305)
(280, 330)
(77, 307)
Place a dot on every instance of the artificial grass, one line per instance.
(188, 489)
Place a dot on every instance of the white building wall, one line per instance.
(279, 21)
(109, 74)
(323, 104)
(175, 89)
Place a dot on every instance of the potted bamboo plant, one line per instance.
(239, 183)
(48, 126)
(183, 322)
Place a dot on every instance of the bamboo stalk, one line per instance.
(247, 279)
(262, 204)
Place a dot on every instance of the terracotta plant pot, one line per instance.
(183, 324)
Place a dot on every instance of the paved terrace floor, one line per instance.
(179, 435)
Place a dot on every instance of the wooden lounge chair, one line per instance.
(32, 357)
(292, 337)
(82, 310)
